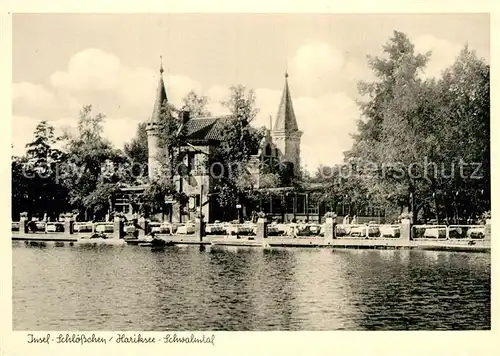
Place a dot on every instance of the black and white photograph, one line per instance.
(264, 172)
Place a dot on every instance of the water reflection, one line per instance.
(431, 293)
(279, 290)
(220, 288)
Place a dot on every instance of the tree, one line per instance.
(239, 142)
(464, 136)
(137, 151)
(20, 185)
(35, 177)
(100, 198)
(412, 129)
(240, 139)
(195, 104)
(41, 150)
(91, 169)
(342, 186)
(390, 136)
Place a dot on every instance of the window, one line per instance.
(289, 203)
(340, 209)
(275, 164)
(301, 203)
(197, 200)
(191, 161)
(268, 159)
(277, 205)
(265, 206)
(125, 209)
(313, 208)
(217, 170)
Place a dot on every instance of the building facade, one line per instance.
(200, 137)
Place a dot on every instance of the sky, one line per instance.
(64, 61)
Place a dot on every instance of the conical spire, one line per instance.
(285, 120)
(161, 96)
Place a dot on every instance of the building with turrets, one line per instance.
(200, 136)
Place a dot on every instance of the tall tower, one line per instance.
(152, 127)
(285, 133)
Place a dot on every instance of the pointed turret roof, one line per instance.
(161, 97)
(285, 120)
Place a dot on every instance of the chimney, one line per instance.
(184, 116)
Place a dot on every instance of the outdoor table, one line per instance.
(391, 231)
(104, 228)
(185, 229)
(358, 231)
(435, 233)
(475, 232)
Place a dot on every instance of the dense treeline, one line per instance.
(423, 145)
(81, 176)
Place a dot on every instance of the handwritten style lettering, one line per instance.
(135, 339)
(32, 339)
(189, 340)
(80, 339)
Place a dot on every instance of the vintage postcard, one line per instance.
(178, 176)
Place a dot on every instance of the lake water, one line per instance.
(223, 288)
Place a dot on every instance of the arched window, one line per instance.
(268, 150)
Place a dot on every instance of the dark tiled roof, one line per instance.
(206, 129)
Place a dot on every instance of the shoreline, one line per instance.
(275, 241)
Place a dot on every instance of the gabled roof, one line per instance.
(285, 119)
(206, 128)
